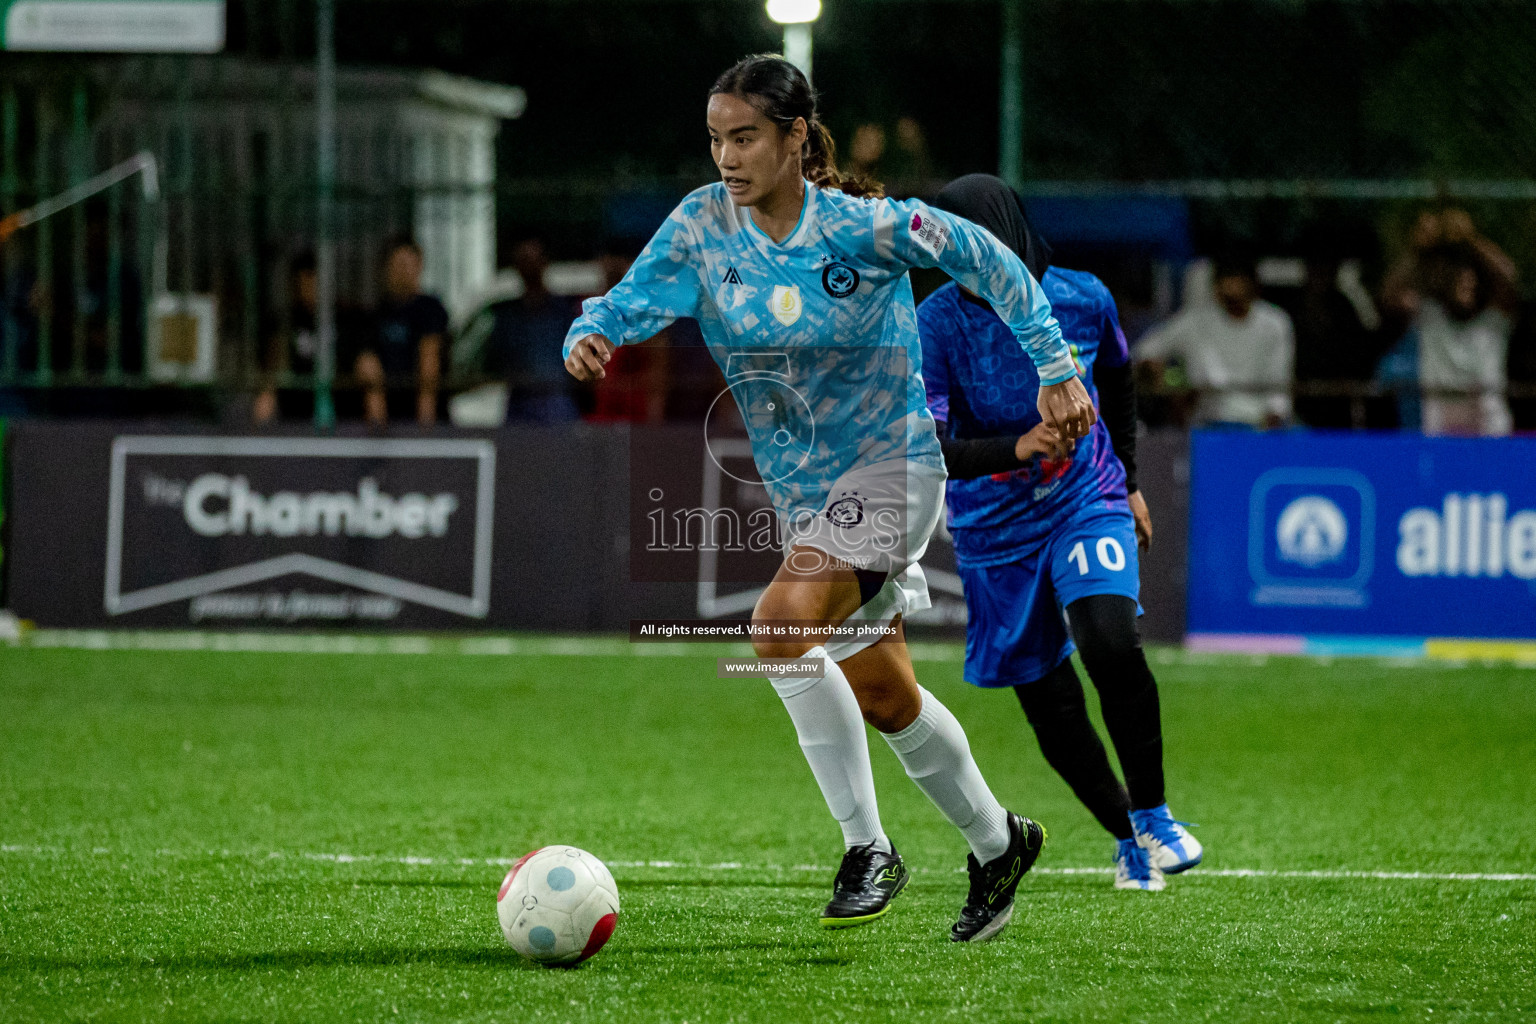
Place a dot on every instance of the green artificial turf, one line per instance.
(226, 836)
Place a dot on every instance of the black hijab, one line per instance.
(988, 201)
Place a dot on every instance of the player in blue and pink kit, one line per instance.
(1040, 527)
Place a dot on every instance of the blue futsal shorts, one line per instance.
(1017, 630)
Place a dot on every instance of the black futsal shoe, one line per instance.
(989, 906)
(864, 887)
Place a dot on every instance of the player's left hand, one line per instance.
(1042, 440)
(1143, 520)
(1067, 408)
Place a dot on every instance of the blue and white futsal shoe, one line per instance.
(1168, 843)
(1134, 869)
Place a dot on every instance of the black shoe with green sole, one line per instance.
(989, 905)
(865, 885)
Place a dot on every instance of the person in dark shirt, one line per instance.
(404, 356)
(525, 343)
(293, 346)
(1522, 369)
(1333, 346)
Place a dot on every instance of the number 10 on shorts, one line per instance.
(1097, 555)
(1110, 554)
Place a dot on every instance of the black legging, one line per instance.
(1104, 629)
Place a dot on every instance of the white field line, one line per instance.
(340, 643)
(579, 646)
(415, 861)
(407, 644)
(599, 646)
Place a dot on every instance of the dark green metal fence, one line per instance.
(1265, 116)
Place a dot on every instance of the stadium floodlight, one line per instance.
(796, 16)
(794, 12)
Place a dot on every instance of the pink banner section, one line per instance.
(1246, 643)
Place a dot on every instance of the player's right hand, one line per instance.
(1067, 407)
(1045, 440)
(588, 357)
(1143, 520)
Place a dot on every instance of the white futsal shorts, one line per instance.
(878, 517)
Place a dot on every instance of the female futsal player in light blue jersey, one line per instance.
(798, 280)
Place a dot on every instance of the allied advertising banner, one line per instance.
(1305, 541)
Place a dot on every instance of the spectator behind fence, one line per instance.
(293, 347)
(909, 167)
(526, 341)
(906, 167)
(1458, 293)
(1522, 369)
(1335, 346)
(19, 309)
(1237, 353)
(866, 150)
(635, 382)
(400, 363)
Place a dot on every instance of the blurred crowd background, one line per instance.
(1311, 214)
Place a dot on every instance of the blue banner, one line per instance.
(1357, 536)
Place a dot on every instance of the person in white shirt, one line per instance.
(1238, 353)
(1460, 293)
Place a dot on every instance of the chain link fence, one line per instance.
(1265, 121)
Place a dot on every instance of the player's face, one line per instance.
(754, 155)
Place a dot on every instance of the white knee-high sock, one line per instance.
(831, 729)
(937, 757)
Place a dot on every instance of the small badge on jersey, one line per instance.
(847, 511)
(785, 303)
(930, 234)
(840, 280)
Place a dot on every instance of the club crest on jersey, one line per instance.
(785, 303)
(929, 233)
(840, 280)
(847, 511)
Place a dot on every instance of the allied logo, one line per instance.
(1311, 538)
(1311, 531)
(1469, 535)
(731, 277)
(847, 511)
(840, 280)
(785, 303)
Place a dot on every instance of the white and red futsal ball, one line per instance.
(558, 905)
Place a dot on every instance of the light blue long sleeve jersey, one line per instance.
(817, 335)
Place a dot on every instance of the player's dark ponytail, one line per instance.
(779, 89)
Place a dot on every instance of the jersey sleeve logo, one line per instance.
(840, 280)
(930, 235)
(785, 303)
